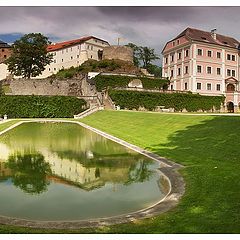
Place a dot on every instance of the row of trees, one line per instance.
(30, 57)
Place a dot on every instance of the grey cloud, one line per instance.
(147, 26)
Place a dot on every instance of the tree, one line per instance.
(147, 55)
(135, 48)
(154, 69)
(29, 55)
(29, 172)
(142, 56)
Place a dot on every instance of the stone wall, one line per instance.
(118, 52)
(71, 87)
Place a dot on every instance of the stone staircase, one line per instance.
(87, 112)
(108, 103)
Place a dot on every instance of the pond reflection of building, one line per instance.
(88, 178)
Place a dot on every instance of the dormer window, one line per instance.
(203, 38)
(178, 42)
(225, 42)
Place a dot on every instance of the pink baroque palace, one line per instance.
(206, 63)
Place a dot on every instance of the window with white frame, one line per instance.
(218, 71)
(218, 54)
(179, 55)
(171, 73)
(209, 86)
(233, 57)
(199, 68)
(166, 60)
(228, 57)
(187, 53)
(199, 86)
(186, 69)
(233, 73)
(209, 70)
(172, 57)
(218, 87)
(200, 52)
(209, 53)
(185, 86)
(179, 71)
(228, 72)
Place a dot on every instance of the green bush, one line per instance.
(112, 81)
(178, 101)
(41, 106)
(1, 89)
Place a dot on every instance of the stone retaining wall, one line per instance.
(71, 87)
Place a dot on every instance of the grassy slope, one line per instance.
(206, 145)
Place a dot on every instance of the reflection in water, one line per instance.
(72, 173)
(29, 172)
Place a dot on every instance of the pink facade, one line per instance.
(204, 62)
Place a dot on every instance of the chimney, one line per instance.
(214, 34)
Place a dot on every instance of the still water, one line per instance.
(62, 171)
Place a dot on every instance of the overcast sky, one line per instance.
(146, 26)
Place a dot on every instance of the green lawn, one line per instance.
(208, 147)
(5, 125)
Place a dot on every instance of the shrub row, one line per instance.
(41, 106)
(112, 81)
(178, 101)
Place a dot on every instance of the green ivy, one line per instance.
(112, 81)
(41, 106)
(179, 101)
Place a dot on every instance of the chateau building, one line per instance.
(204, 62)
(5, 51)
(73, 53)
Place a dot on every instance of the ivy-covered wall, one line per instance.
(112, 81)
(41, 106)
(178, 101)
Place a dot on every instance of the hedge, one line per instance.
(112, 81)
(179, 101)
(41, 106)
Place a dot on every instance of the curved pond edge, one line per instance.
(168, 168)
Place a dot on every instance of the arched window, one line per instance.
(230, 87)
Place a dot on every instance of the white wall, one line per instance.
(73, 56)
(3, 71)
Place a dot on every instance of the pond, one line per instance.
(62, 171)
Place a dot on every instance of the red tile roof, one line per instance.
(206, 37)
(61, 45)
